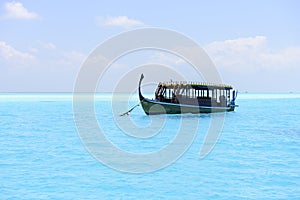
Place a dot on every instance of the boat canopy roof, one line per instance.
(195, 85)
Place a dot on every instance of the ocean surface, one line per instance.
(42, 156)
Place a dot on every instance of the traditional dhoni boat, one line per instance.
(183, 97)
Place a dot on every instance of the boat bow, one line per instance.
(140, 93)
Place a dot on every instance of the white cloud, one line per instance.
(120, 21)
(16, 10)
(50, 53)
(251, 64)
(238, 45)
(47, 56)
(167, 58)
(286, 58)
(251, 54)
(11, 56)
(42, 45)
(50, 45)
(39, 69)
(72, 58)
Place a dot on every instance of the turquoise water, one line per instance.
(256, 157)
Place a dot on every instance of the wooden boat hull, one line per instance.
(154, 107)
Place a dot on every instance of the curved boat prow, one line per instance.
(140, 93)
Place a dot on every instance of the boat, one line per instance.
(193, 97)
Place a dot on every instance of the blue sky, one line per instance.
(255, 45)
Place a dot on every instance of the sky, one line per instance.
(255, 45)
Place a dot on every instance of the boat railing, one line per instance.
(193, 84)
